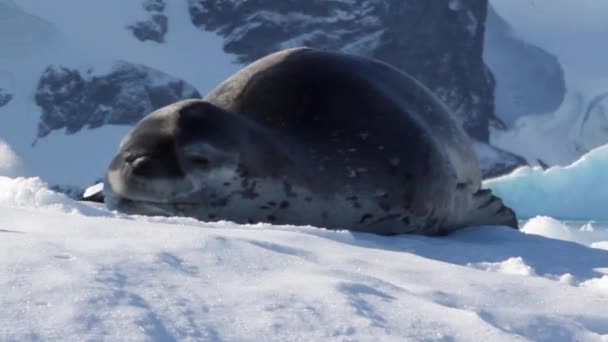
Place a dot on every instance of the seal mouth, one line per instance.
(151, 208)
(134, 206)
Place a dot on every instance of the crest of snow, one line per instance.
(600, 284)
(10, 164)
(575, 192)
(514, 265)
(34, 193)
(592, 234)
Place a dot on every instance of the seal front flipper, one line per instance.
(490, 210)
(93, 193)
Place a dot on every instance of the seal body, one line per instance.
(308, 137)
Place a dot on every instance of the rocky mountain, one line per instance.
(5, 97)
(438, 42)
(72, 99)
(80, 77)
(532, 81)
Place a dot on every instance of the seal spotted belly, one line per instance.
(308, 137)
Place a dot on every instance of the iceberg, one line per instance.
(575, 192)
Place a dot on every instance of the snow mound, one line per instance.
(10, 163)
(592, 234)
(34, 193)
(575, 192)
(514, 265)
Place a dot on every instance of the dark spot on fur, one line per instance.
(212, 216)
(405, 220)
(284, 204)
(357, 205)
(271, 218)
(382, 195)
(461, 186)
(242, 171)
(288, 189)
(264, 207)
(352, 198)
(324, 214)
(227, 184)
(248, 189)
(220, 202)
(250, 221)
(272, 203)
(366, 217)
(384, 205)
(387, 218)
(308, 199)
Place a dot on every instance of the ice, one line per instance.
(575, 192)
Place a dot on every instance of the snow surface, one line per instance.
(77, 271)
(575, 192)
(562, 137)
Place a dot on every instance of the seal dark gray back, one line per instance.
(356, 113)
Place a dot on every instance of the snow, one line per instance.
(10, 164)
(561, 137)
(71, 270)
(575, 192)
(75, 270)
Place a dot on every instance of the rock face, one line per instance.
(156, 26)
(72, 99)
(5, 97)
(531, 79)
(495, 162)
(438, 42)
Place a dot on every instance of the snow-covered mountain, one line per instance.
(74, 74)
(574, 32)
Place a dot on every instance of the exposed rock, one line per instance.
(156, 26)
(531, 79)
(5, 97)
(153, 29)
(71, 99)
(154, 5)
(495, 162)
(438, 42)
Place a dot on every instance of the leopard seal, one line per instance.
(308, 137)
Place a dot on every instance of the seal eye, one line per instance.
(200, 161)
